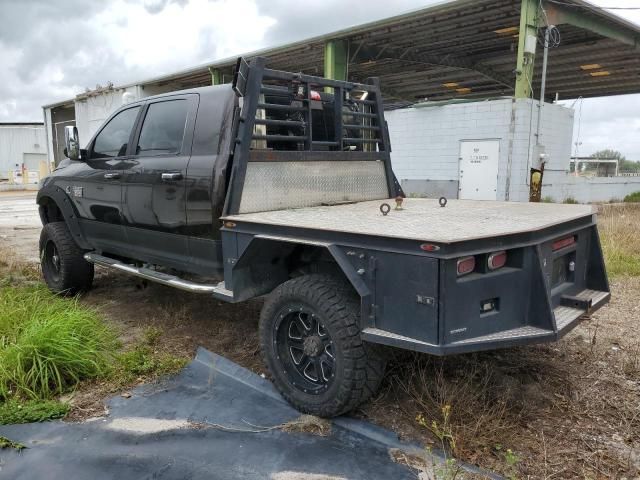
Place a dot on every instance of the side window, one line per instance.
(163, 128)
(112, 140)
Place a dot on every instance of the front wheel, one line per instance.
(63, 265)
(310, 339)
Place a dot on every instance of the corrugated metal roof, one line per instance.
(456, 49)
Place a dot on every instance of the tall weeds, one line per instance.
(48, 344)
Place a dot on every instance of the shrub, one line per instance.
(48, 344)
(632, 197)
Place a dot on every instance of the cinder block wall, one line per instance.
(425, 143)
(556, 134)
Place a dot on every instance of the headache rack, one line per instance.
(293, 117)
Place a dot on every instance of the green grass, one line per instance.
(619, 234)
(48, 344)
(632, 197)
(620, 263)
(143, 360)
(6, 443)
(14, 412)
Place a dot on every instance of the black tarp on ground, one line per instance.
(151, 435)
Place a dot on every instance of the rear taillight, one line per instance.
(563, 243)
(314, 95)
(497, 260)
(466, 265)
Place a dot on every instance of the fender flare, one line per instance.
(61, 199)
(258, 242)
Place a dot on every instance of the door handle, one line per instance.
(111, 175)
(171, 176)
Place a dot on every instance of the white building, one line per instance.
(484, 150)
(22, 146)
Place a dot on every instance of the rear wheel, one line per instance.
(63, 265)
(310, 339)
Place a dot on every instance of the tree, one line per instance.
(609, 154)
(624, 165)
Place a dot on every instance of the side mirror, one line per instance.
(72, 143)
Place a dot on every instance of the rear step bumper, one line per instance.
(566, 318)
(217, 290)
(571, 309)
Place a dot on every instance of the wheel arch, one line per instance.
(54, 205)
(267, 262)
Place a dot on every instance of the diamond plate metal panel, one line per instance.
(513, 334)
(283, 185)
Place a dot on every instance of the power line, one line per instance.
(591, 7)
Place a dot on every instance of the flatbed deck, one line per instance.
(424, 220)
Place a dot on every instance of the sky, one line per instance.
(51, 50)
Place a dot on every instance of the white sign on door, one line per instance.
(479, 169)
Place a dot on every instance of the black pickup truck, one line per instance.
(281, 185)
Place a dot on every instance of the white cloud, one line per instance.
(181, 35)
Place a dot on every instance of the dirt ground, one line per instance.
(565, 410)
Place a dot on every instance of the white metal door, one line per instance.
(479, 169)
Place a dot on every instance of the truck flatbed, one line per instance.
(424, 219)
(299, 168)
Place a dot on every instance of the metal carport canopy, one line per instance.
(464, 49)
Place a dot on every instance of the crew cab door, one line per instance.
(154, 181)
(97, 190)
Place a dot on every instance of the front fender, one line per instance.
(50, 192)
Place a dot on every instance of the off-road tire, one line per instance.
(359, 367)
(70, 273)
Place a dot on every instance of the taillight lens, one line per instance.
(466, 265)
(497, 260)
(563, 242)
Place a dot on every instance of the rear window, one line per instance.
(163, 128)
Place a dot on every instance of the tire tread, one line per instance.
(364, 366)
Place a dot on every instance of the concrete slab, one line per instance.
(18, 209)
(19, 226)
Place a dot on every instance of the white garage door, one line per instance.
(479, 169)
(32, 160)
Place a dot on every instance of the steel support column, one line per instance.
(336, 60)
(216, 76)
(527, 41)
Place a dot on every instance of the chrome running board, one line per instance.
(218, 290)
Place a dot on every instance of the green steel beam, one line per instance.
(579, 17)
(335, 60)
(216, 76)
(527, 39)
